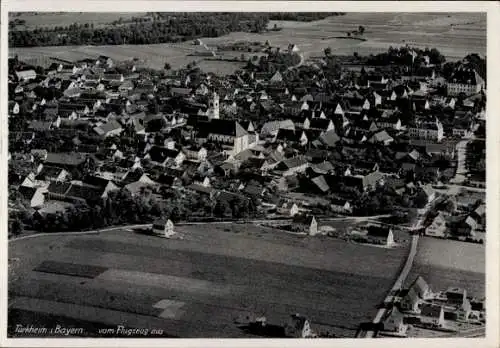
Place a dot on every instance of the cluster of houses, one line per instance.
(419, 306)
(466, 220)
(260, 135)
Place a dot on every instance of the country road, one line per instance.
(397, 285)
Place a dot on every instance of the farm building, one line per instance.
(432, 314)
(292, 48)
(394, 323)
(437, 228)
(298, 327)
(166, 228)
(380, 235)
(306, 223)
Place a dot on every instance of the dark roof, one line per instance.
(378, 231)
(48, 172)
(58, 187)
(430, 310)
(65, 158)
(96, 181)
(86, 192)
(226, 127)
(289, 134)
(160, 154)
(319, 123)
(293, 162)
(27, 192)
(465, 75)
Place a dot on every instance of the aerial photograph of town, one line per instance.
(246, 174)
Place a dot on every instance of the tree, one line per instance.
(17, 227)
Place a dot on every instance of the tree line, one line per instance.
(302, 16)
(181, 27)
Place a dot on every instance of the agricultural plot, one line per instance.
(455, 35)
(201, 285)
(445, 263)
(63, 19)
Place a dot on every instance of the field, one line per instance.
(199, 285)
(64, 19)
(455, 35)
(445, 263)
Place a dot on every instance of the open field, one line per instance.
(199, 285)
(64, 19)
(445, 263)
(455, 35)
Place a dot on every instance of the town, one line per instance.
(375, 151)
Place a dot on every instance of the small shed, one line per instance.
(380, 235)
(165, 228)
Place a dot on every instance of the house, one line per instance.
(292, 48)
(410, 301)
(164, 156)
(432, 315)
(196, 153)
(380, 235)
(165, 228)
(291, 166)
(394, 323)
(427, 130)
(421, 288)
(306, 223)
(321, 124)
(109, 129)
(271, 128)
(429, 192)
(276, 78)
(340, 206)
(35, 195)
(298, 327)
(299, 137)
(50, 173)
(456, 296)
(65, 160)
(26, 75)
(464, 80)
(288, 209)
(437, 228)
(381, 137)
(463, 226)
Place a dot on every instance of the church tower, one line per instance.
(213, 106)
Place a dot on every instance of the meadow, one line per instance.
(203, 284)
(445, 263)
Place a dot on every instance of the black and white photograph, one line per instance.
(255, 175)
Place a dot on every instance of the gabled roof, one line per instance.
(431, 310)
(378, 231)
(160, 154)
(65, 158)
(293, 162)
(420, 286)
(226, 127)
(321, 183)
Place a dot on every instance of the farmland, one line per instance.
(455, 35)
(445, 263)
(199, 285)
(51, 19)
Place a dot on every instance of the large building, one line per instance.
(465, 80)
